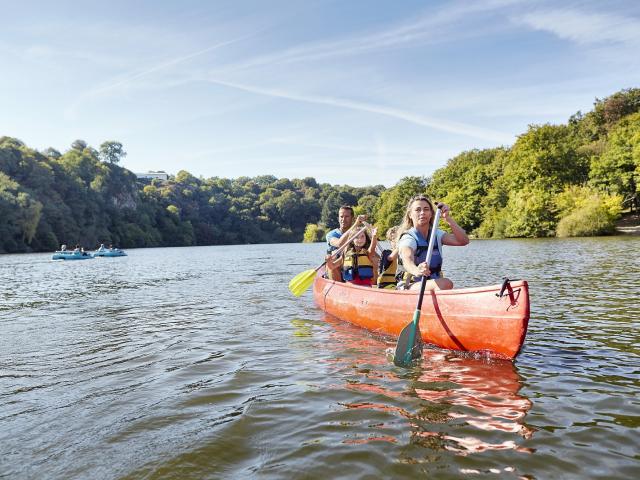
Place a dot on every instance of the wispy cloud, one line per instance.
(384, 162)
(585, 28)
(132, 77)
(428, 27)
(170, 63)
(414, 118)
(378, 149)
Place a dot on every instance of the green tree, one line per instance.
(112, 152)
(392, 203)
(329, 215)
(367, 206)
(465, 181)
(79, 145)
(30, 211)
(314, 233)
(617, 170)
(546, 152)
(529, 212)
(586, 211)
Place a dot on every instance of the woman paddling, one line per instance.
(414, 243)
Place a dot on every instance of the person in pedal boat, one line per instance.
(339, 236)
(414, 242)
(388, 266)
(360, 263)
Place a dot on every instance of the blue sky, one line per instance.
(349, 92)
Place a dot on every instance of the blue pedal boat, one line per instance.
(109, 252)
(71, 255)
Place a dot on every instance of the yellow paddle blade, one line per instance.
(299, 284)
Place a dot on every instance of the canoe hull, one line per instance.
(470, 319)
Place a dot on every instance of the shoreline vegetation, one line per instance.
(581, 178)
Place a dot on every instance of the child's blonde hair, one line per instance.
(391, 234)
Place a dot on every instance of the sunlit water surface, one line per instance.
(198, 363)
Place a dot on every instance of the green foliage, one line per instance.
(366, 206)
(329, 215)
(593, 128)
(79, 145)
(611, 110)
(314, 233)
(465, 182)
(617, 170)
(592, 218)
(30, 211)
(575, 196)
(523, 191)
(586, 211)
(392, 203)
(74, 198)
(20, 215)
(112, 152)
(174, 211)
(529, 213)
(546, 152)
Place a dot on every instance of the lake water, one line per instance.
(197, 363)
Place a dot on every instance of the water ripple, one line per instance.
(179, 363)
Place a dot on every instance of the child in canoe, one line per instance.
(360, 262)
(389, 262)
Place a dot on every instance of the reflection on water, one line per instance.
(481, 394)
(452, 388)
(301, 328)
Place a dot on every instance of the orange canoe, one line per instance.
(468, 319)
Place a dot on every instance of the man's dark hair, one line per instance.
(348, 207)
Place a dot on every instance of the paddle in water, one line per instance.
(301, 282)
(409, 346)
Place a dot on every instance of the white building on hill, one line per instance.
(161, 174)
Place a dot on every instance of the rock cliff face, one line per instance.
(122, 189)
(125, 199)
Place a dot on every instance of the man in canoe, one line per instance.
(414, 242)
(336, 238)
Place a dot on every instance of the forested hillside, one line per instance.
(565, 180)
(84, 197)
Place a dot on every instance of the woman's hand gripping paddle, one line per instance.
(301, 282)
(409, 346)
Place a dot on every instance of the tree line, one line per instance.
(572, 179)
(84, 197)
